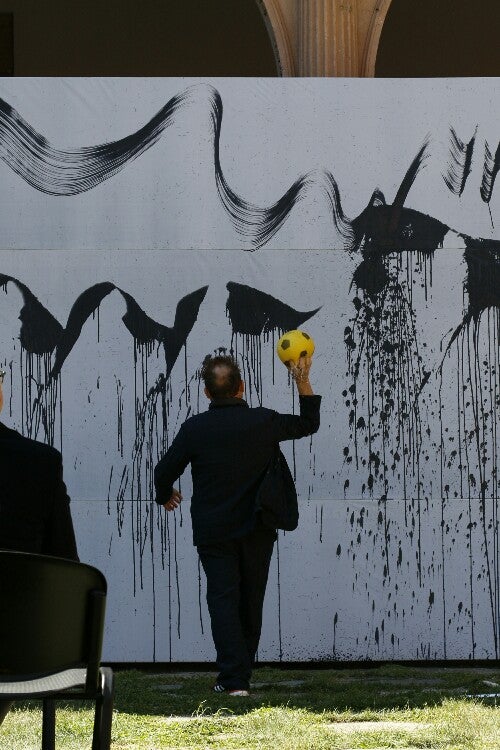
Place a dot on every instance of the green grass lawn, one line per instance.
(384, 707)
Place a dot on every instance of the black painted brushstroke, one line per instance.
(483, 274)
(254, 312)
(405, 187)
(186, 314)
(72, 171)
(385, 228)
(40, 331)
(144, 329)
(459, 163)
(490, 171)
(261, 224)
(414, 230)
(482, 282)
(85, 305)
(382, 229)
(371, 275)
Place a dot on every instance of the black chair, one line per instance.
(51, 630)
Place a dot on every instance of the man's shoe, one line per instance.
(235, 693)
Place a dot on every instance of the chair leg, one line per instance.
(104, 712)
(5, 707)
(48, 724)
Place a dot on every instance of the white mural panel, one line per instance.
(149, 222)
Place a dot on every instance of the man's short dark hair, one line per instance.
(221, 375)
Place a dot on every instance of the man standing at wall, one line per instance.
(229, 448)
(34, 505)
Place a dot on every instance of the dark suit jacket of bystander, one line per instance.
(34, 505)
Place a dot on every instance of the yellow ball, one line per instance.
(293, 345)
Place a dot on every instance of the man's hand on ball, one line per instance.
(300, 373)
(175, 499)
(300, 370)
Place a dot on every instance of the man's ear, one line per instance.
(241, 389)
(207, 393)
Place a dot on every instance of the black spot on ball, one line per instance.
(285, 344)
(303, 354)
(305, 335)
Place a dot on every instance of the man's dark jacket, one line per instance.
(229, 448)
(34, 505)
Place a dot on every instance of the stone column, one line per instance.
(328, 38)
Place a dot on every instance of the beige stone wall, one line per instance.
(326, 37)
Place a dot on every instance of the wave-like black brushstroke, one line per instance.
(254, 312)
(41, 333)
(71, 171)
(459, 163)
(260, 224)
(490, 170)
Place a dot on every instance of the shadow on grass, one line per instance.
(331, 691)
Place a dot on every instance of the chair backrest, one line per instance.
(51, 615)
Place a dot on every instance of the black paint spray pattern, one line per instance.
(469, 437)
(42, 334)
(386, 372)
(387, 401)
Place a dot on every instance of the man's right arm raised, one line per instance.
(293, 426)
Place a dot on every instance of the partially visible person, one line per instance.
(229, 448)
(34, 504)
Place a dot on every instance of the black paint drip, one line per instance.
(470, 442)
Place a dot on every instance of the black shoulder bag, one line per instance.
(276, 498)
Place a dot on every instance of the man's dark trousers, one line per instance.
(236, 571)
